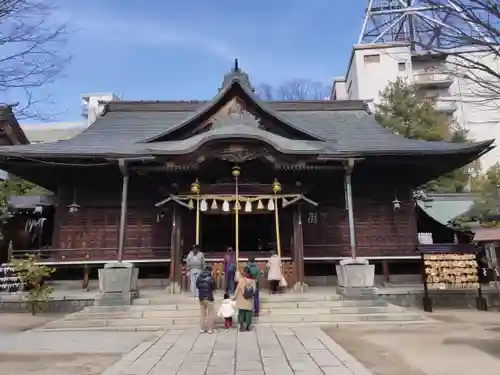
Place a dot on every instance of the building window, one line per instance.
(372, 58)
(401, 66)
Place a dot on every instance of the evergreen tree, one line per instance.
(401, 111)
(404, 113)
(486, 208)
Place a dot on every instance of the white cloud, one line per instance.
(137, 32)
(262, 60)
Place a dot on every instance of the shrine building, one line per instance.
(316, 180)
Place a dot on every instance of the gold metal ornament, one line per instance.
(236, 171)
(195, 187)
(276, 186)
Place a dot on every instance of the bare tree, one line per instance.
(469, 32)
(32, 40)
(296, 89)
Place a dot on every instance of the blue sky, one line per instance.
(165, 49)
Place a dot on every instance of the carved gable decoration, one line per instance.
(233, 113)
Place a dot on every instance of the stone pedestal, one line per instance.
(174, 288)
(356, 278)
(300, 287)
(118, 283)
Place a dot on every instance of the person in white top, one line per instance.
(226, 310)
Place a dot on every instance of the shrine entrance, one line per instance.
(257, 232)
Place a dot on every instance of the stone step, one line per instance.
(193, 305)
(287, 297)
(86, 315)
(219, 326)
(193, 321)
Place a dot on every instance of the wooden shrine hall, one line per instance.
(316, 180)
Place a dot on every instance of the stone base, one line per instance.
(355, 273)
(174, 288)
(356, 278)
(300, 287)
(118, 282)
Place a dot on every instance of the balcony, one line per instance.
(433, 79)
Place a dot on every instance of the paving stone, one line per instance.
(324, 358)
(192, 368)
(271, 352)
(308, 340)
(303, 362)
(335, 348)
(249, 366)
(219, 371)
(168, 364)
(136, 352)
(336, 370)
(265, 351)
(357, 368)
(140, 367)
(198, 357)
(154, 353)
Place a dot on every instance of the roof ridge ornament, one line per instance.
(236, 74)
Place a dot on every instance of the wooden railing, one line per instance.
(96, 254)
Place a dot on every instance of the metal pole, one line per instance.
(350, 211)
(197, 218)
(236, 224)
(277, 223)
(123, 212)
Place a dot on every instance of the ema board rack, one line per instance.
(450, 267)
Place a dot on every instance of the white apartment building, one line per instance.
(372, 66)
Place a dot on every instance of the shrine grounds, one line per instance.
(461, 342)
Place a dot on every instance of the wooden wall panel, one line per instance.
(380, 231)
(92, 233)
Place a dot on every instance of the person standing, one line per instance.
(230, 270)
(226, 310)
(274, 275)
(254, 270)
(205, 284)
(244, 299)
(195, 262)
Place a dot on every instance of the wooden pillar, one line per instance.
(86, 277)
(175, 253)
(298, 249)
(385, 271)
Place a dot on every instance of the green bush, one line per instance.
(32, 276)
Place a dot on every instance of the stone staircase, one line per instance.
(165, 311)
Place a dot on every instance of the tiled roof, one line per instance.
(52, 132)
(329, 127)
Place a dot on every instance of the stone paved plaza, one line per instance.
(266, 350)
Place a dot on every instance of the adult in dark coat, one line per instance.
(205, 284)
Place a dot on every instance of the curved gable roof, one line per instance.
(224, 95)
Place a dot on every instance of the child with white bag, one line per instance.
(227, 310)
